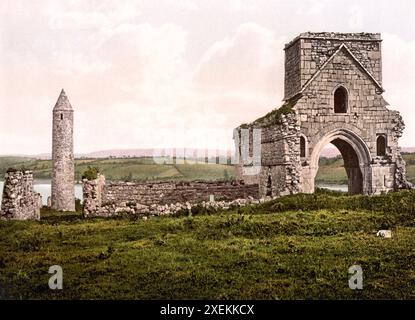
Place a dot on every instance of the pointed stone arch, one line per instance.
(356, 158)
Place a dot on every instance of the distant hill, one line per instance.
(192, 153)
(136, 153)
(408, 150)
(332, 152)
(331, 169)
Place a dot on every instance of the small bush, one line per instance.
(12, 170)
(275, 116)
(91, 173)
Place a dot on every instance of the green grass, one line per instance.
(331, 170)
(126, 169)
(272, 251)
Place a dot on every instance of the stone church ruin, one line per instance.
(333, 94)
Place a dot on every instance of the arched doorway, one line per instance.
(351, 166)
(331, 173)
(355, 155)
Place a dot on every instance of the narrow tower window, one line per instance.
(340, 100)
(61, 116)
(381, 146)
(302, 147)
(269, 186)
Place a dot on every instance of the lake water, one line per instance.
(44, 188)
(334, 187)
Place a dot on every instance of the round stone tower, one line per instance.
(63, 167)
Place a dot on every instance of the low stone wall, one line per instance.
(19, 201)
(116, 198)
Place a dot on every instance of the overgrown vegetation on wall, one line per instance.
(272, 117)
(91, 173)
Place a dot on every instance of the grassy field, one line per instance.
(331, 170)
(272, 251)
(127, 169)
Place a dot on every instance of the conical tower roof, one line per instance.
(63, 102)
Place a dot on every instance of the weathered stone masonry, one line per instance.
(63, 171)
(278, 173)
(101, 199)
(19, 201)
(333, 94)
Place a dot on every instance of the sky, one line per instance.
(171, 73)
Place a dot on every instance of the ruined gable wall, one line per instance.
(19, 201)
(366, 108)
(367, 116)
(281, 157)
(280, 171)
(312, 50)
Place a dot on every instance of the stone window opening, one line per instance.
(340, 100)
(61, 116)
(269, 186)
(251, 142)
(381, 146)
(302, 147)
(239, 146)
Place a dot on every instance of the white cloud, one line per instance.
(83, 15)
(356, 17)
(190, 5)
(243, 5)
(399, 79)
(311, 7)
(241, 77)
(246, 62)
